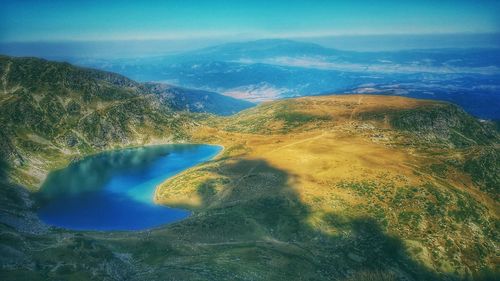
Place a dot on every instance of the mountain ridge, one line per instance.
(468, 77)
(197, 101)
(62, 109)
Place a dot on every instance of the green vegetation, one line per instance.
(293, 119)
(483, 167)
(362, 188)
(270, 118)
(445, 123)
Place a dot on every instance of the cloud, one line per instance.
(325, 63)
(256, 93)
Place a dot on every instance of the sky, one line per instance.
(90, 20)
(111, 28)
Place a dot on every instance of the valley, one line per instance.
(272, 69)
(349, 187)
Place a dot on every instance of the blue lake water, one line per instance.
(114, 190)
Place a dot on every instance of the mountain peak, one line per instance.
(263, 48)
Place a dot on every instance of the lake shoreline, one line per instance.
(115, 190)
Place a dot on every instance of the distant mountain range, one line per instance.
(199, 101)
(272, 69)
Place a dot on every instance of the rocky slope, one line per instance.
(57, 111)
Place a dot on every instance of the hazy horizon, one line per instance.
(127, 28)
(32, 20)
(145, 48)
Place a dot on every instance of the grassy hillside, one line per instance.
(321, 188)
(328, 186)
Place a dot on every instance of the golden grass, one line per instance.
(321, 155)
(343, 149)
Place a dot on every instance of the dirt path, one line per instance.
(4, 77)
(250, 171)
(355, 109)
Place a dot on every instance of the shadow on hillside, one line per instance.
(253, 228)
(4, 169)
(258, 222)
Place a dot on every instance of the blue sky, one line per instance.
(30, 20)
